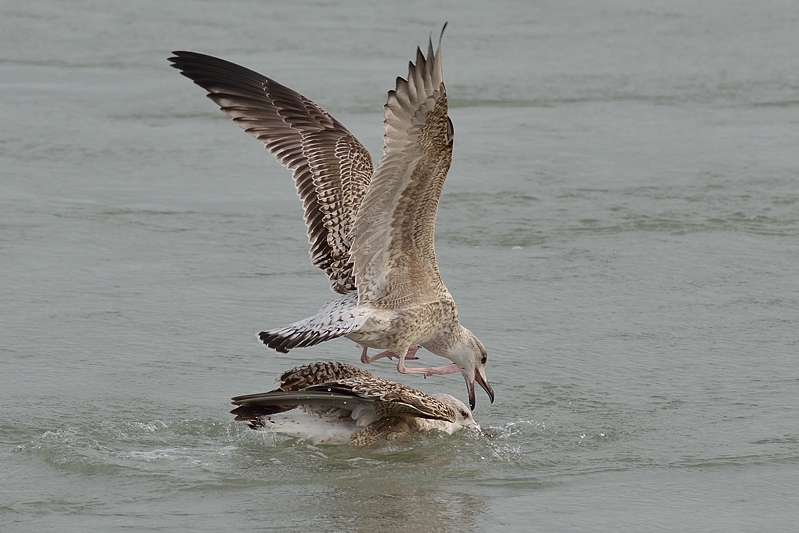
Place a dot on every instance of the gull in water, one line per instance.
(371, 229)
(341, 404)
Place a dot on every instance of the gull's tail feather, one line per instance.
(336, 319)
(305, 333)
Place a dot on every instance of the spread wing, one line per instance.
(331, 168)
(392, 247)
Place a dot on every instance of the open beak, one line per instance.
(480, 378)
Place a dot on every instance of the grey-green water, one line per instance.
(620, 228)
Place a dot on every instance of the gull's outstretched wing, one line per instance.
(392, 245)
(331, 167)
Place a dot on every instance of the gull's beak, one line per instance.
(470, 392)
(480, 378)
(476, 428)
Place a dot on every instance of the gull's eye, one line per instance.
(464, 413)
(483, 360)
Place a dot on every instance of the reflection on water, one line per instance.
(407, 506)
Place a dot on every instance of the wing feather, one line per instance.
(331, 168)
(393, 236)
(334, 385)
(391, 398)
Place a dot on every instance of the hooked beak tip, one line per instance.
(484, 384)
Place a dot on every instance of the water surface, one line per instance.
(620, 228)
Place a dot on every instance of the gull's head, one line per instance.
(471, 358)
(463, 415)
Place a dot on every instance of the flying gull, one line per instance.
(371, 229)
(341, 403)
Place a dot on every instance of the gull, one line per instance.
(371, 230)
(341, 404)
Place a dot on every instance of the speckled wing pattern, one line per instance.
(341, 386)
(302, 377)
(390, 397)
(392, 246)
(335, 319)
(294, 380)
(331, 168)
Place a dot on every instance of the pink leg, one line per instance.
(428, 370)
(410, 355)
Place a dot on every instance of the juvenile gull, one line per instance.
(341, 403)
(371, 230)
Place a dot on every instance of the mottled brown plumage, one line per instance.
(365, 407)
(393, 245)
(302, 377)
(331, 168)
